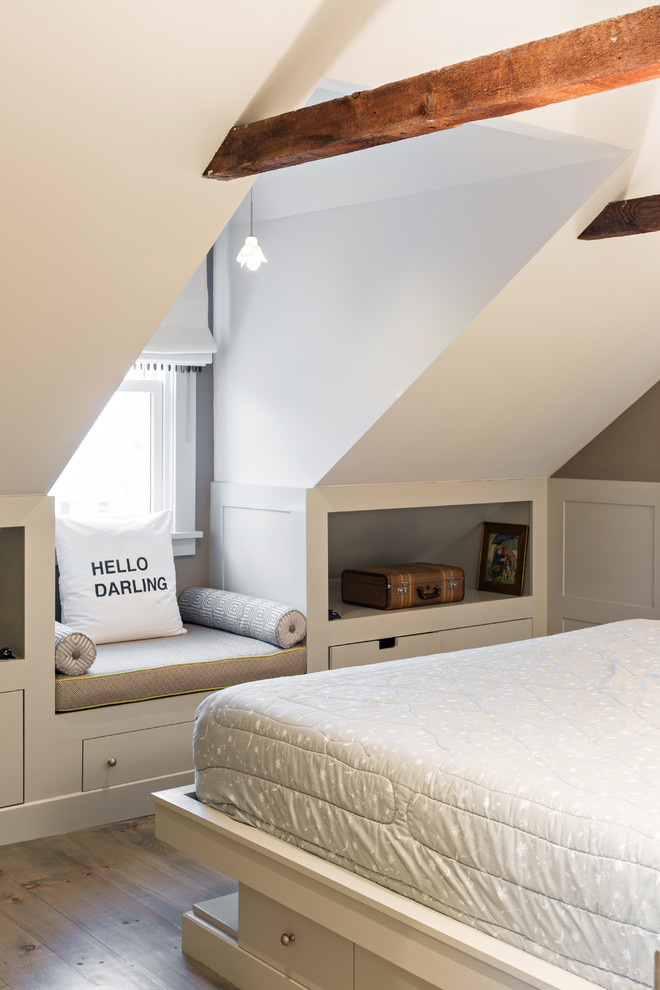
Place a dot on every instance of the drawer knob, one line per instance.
(287, 939)
(112, 761)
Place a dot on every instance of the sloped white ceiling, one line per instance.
(110, 112)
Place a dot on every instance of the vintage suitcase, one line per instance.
(402, 585)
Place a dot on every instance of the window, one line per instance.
(139, 456)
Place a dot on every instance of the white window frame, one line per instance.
(174, 447)
(155, 391)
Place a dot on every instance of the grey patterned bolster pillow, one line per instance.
(258, 618)
(74, 651)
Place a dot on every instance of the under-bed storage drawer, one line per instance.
(139, 755)
(291, 943)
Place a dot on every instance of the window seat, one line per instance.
(205, 659)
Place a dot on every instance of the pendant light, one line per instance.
(251, 255)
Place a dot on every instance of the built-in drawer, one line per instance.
(301, 949)
(11, 734)
(139, 755)
(378, 650)
(489, 634)
(423, 644)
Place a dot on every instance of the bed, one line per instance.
(482, 819)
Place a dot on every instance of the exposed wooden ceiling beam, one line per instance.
(627, 216)
(612, 53)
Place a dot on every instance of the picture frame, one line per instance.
(502, 558)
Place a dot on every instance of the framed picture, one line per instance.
(502, 558)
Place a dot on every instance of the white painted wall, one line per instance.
(376, 262)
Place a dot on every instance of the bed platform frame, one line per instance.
(352, 934)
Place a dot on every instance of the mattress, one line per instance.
(203, 660)
(515, 788)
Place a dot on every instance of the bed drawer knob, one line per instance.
(112, 762)
(287, 939)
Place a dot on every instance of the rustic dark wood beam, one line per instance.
(627, 216)
(612, 53)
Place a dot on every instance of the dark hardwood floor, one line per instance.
(101, 908)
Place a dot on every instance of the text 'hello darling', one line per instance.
(126, 586)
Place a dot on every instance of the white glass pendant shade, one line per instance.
(251, 254)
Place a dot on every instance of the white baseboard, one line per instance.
(70, 812)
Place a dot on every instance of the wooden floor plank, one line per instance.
(202, 880)
(104, 969)
(94, 847)
(102, 908)
(25, 861)
(164, 887)
(27, 964)
(117, 843)
(101, 846)
(121, 924)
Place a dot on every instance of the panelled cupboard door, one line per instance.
(11, 764)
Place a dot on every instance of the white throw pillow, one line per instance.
(117, 578)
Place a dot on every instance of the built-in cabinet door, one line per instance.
(11, 764)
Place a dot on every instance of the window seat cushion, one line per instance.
(204, 660)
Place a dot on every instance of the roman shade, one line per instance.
(186, 347)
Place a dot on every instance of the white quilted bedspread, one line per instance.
(514, 788)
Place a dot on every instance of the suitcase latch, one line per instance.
(403, 588)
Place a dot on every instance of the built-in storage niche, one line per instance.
(441, 534)
(12, 589)
(354, 526)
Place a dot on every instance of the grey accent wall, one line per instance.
(627, 450)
